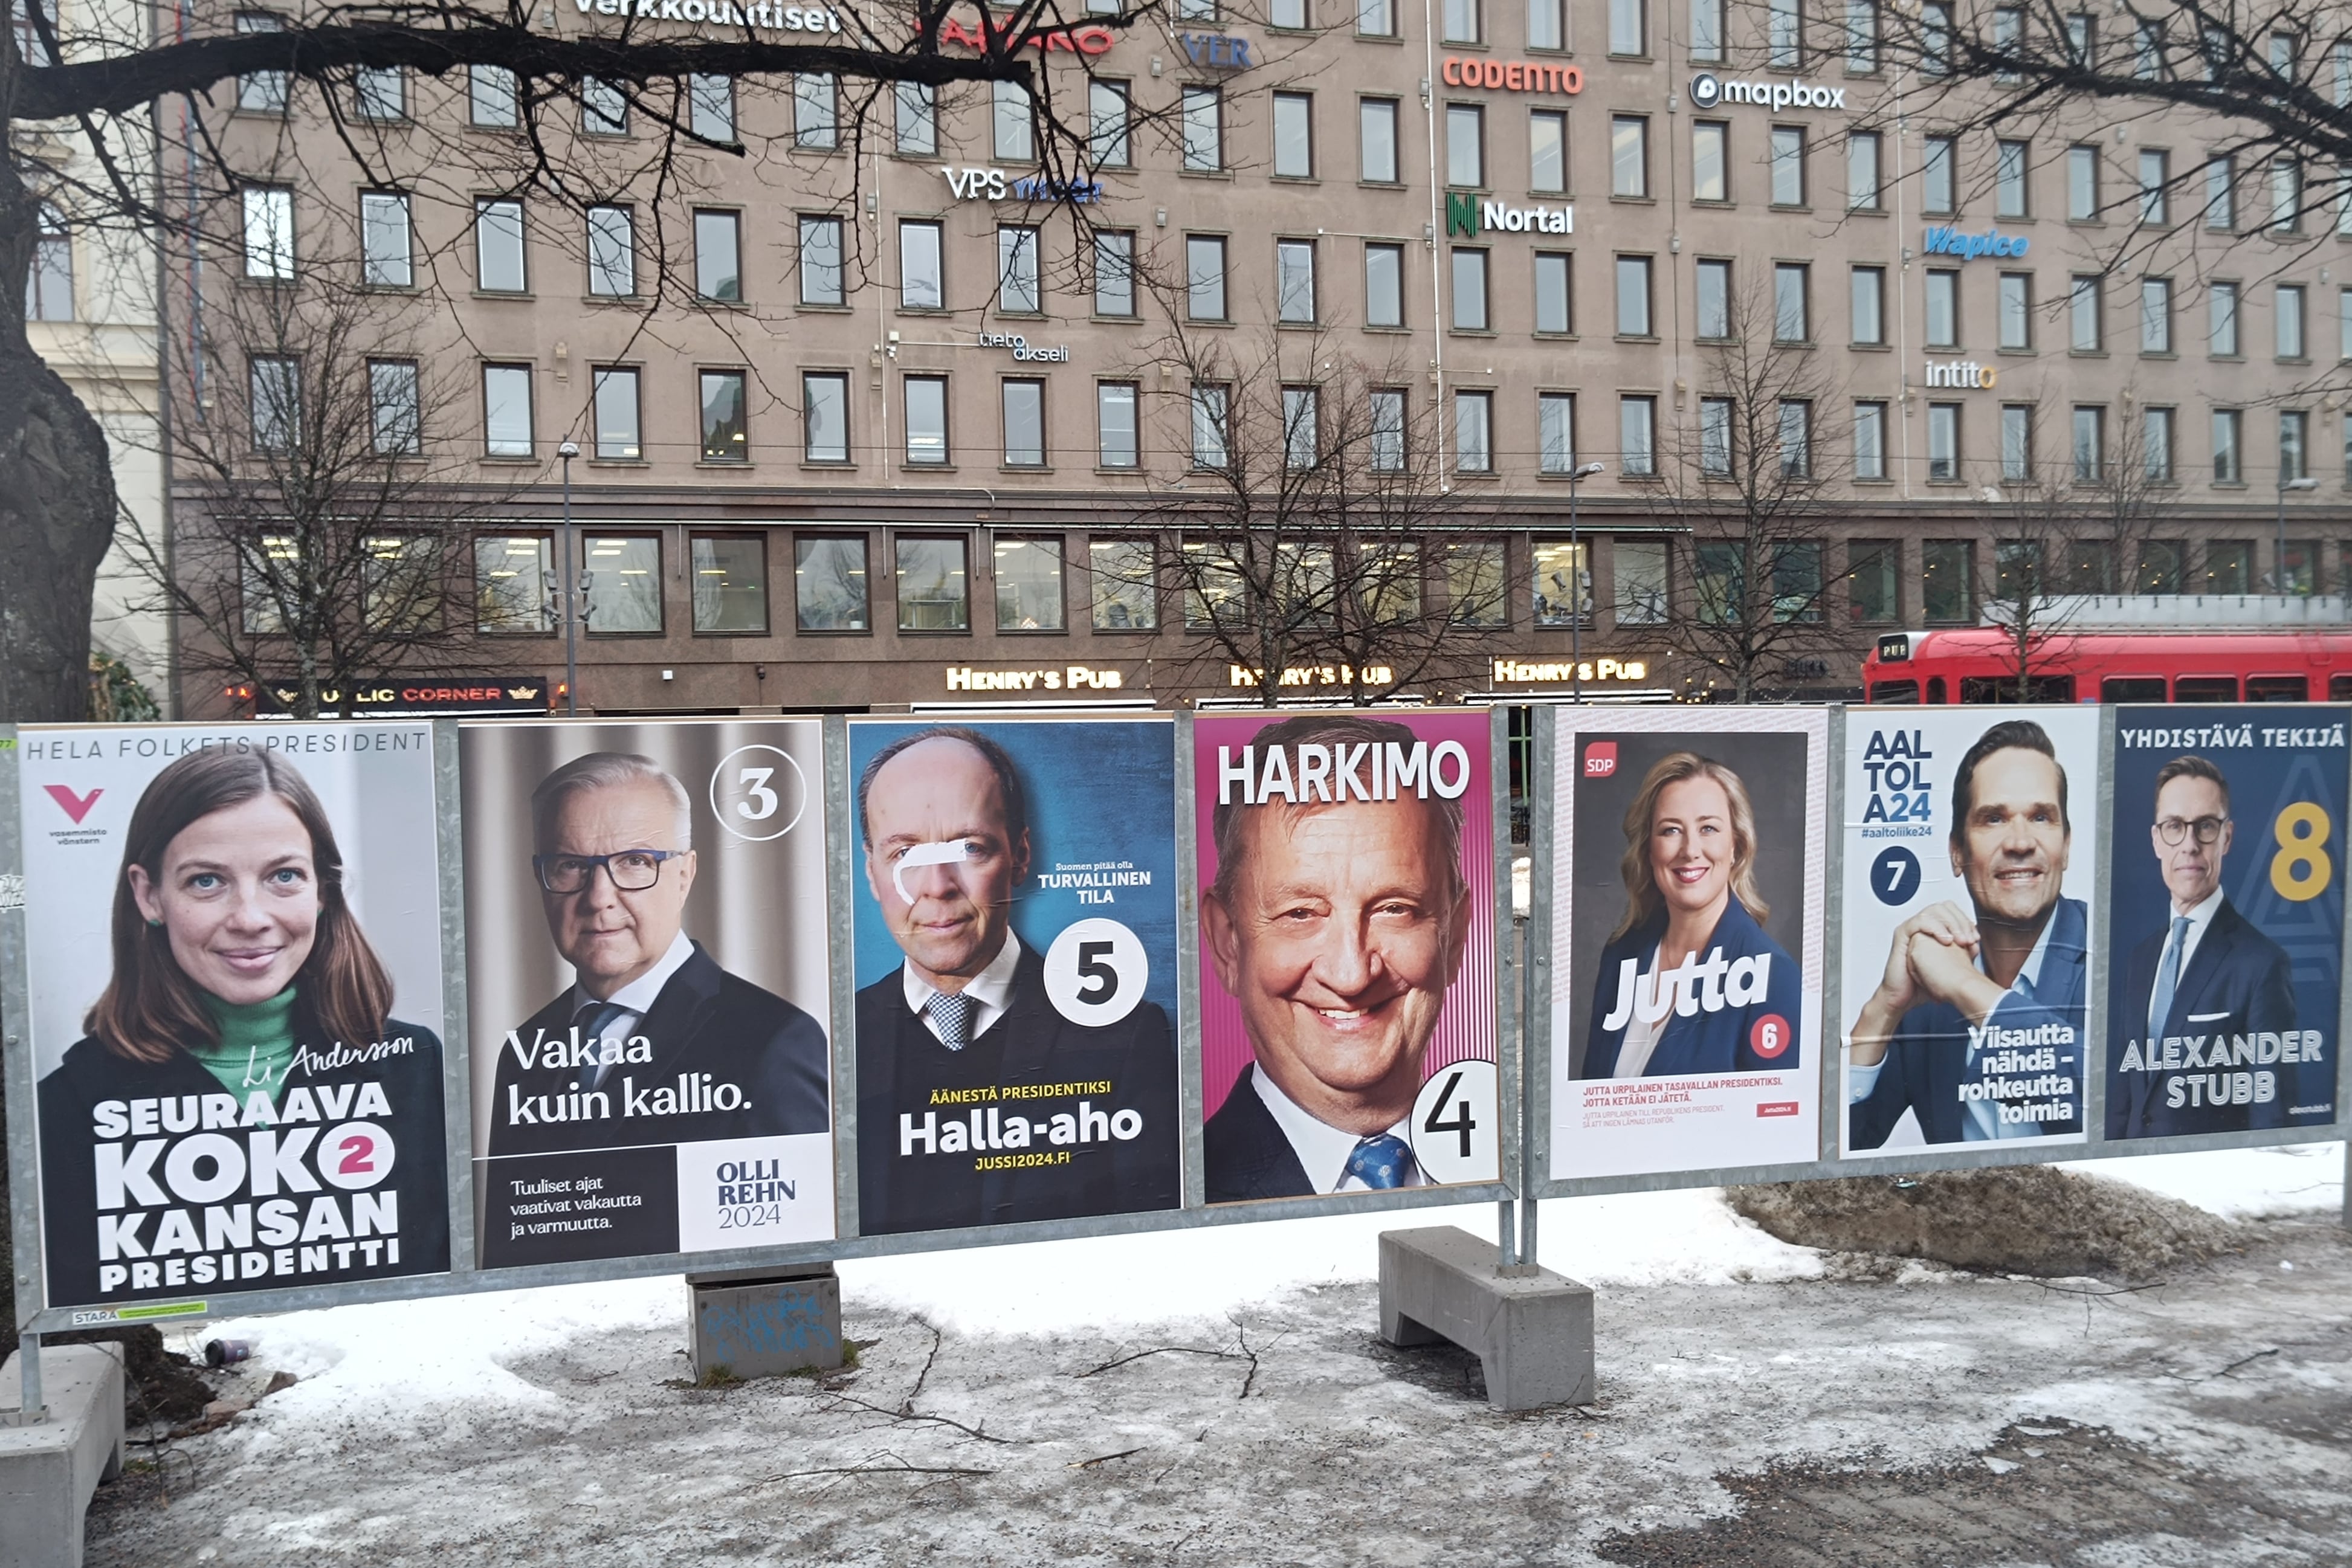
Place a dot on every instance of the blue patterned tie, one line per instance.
(1381, 1162)
(951, 1016)
(595, 1020)
(2167, 978)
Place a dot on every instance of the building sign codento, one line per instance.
(1468, 215)
(721, 13)
(1707, 91)
(1512, 76)
(1313, 675)
(1066, 679)
(1543, 671)
(1968, 247)
(992, 185)
(1219, 51)
(1964, 375)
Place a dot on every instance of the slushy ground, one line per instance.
(1222, 1397)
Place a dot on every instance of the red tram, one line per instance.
(1979, 664)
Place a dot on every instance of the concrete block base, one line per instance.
(1530, 1328)
(48, 1470)
(758, 1323)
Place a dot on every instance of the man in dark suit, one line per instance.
(2208, 978)
(1338, 928)
(1977, 1025)
(654, 1043)
(980, 1100)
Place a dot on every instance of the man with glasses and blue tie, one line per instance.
(654, 1043)
(2208, 976)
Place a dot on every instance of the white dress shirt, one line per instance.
(2200, 920)
(1984, 1116)
(1322, 1149)
(1640, 1038)
(991, 992)
(637, 996)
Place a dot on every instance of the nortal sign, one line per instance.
(1467, 215)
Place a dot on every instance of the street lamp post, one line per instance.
(1578, 576)
(570, 592)
(2278, 562)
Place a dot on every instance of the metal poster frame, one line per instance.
(2096, 1145)
(465, 1277)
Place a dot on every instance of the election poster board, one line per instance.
(234, 1006)
(1686, 939)
(1972, 848)
(1015, 955)
(2226, 919)
(647, 958)
(1347, 970)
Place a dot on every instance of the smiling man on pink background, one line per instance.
(1345, 945)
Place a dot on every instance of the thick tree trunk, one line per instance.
(57, 519)
(56, 502)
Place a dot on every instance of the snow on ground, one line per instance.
(2239, 1183)
(446, 1360)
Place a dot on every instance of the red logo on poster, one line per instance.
(1601, 759)
(1777, 1108)
(76, 806)
(1769, 1038)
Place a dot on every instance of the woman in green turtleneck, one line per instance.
(255, 1044)
(244, 996)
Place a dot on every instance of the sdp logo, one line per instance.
(1601, 759)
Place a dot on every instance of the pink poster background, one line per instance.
(1465, 1029)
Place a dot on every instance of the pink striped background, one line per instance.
(1465, 1030)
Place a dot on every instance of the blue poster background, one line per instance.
(2275, 758)
(1099, 789)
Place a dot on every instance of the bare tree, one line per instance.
(331, 509)
(2269, 86)
(2067, 530)
(1749, 481)
(1304, 542)
(171, 126)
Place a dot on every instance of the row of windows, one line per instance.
(932, 582)
(1467, 581)
(2153, 452)
(825, 436)
(612, 265)
(707, 108)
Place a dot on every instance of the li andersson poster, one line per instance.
(1972, 840)
(2225, 983)
(237, 1017)
(1347, 952)
(1686, 937)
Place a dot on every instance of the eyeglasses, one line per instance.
(632, 871)
(2172, 829)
